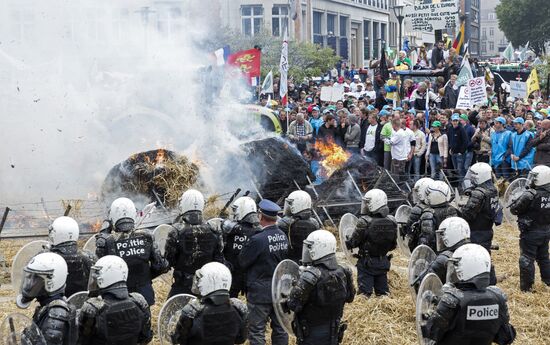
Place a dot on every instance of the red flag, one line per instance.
(248, 61)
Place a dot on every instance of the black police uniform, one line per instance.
(140, 252)
(115, 318)
(482, 211)
(297, 228)
(318, 301)
(215, 319)
(412, 227)
(78, 265)
(259, 257)
(375, 236)
(190, 245)
(533, 211)
(430, 219)
(235, 236)
(56, 320)
(470, 315)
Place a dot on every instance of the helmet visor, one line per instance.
(452, 271)
(93, 285)
(32, 285)
(196, 281)
(306, 252)
(440, 244)
(469, 180)
(531, 179)
(287, 209)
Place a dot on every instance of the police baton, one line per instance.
(222, 212)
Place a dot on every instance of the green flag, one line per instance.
(465, 73)
(508, 53)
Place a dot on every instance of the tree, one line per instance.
(525, 20)
(305, 59)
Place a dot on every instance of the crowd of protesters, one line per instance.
(385, 120)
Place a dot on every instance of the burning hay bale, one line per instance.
(277, 167)
(161, 172)
(333, 156)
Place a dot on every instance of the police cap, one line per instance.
(269, 208)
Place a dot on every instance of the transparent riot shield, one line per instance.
(23, 257)
(169, 314)
(402, 215)
(348, 222)
(78, 298)
(514, 191)
(426, 303)
(285, 276)
(421, 258)
(18, 329)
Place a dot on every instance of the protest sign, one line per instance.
(463, 101)
(518, 89)
(430, 17)
(478, 94)
(332, 93)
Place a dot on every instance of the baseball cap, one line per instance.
(412, 111)
(370, 107)
(386, 107)
(501, 120)
(436, 124)
(455, 117)
(495, 107)
(383, 113)
(538, 116)
(309, 100)
(315, 109)
(464, 117)
(398, 109)
(341, 80)
(519, 120)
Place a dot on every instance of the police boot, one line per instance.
(526, 273)
(544, 266)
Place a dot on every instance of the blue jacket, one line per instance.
(259, 257)
(470, 131)
(458, 139)
(499, 146)
(316, 124)
(519, 142)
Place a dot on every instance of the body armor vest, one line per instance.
(486, 216)
(235, 241)
(216, 325)
(477, 320)
(42, 319)
(118, 323)
(197, 246)
(136, 252)
(380, 236)
(78, 269)
(539, 212)
(327, 299)
(298, 231)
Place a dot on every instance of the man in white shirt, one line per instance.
(369, 90)
(402, 146)
(370, 138)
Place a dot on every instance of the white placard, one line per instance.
(518, 89)
(463, 101)
(430, 17)
(478, 94)
(332, 93)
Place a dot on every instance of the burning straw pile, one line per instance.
(156, 173)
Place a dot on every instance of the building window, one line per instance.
(343, 46)
(376, 41)
(491, 32)
(279, 19)
(483, 33)
(366, 39)
(491, 45)
(331, 31)
(252, 19)
(383, 32)
(317, 33)
(483, 47)
(492, 16)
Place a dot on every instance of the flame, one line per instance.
(161, 156)
(97, 225)
(333, 156)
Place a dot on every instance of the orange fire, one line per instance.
(333, 156)
(97, 225)
(161, 156)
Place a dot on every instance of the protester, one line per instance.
(541, 143)
(352, 135)
(300, 132)
(437, 150)
(458, 143)
(419, 149)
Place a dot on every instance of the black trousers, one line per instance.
(533, 247)
(372, 274)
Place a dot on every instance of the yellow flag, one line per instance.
(533, 82)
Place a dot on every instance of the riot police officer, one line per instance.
(437, 196)
(236, 232)
(214, 318)
(419, 195)
(453, 232)
(297, 222)
(533, 211)
(483, 208)
(44, 280)
(136, 247)
(115, 316)
(470, 311)
(63, 235)
(319, 296)
(191, 243)
(375, 235)
(259, 257)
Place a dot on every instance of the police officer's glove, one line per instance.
(284, 306)
(348, 244)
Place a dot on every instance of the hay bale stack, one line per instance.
(163, 172)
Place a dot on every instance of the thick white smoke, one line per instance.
(84, 84)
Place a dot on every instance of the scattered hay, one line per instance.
(390, 320)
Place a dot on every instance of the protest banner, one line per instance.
(463, 101)
(478, 94)
(518, 89)
(332, 93)
(435, 16)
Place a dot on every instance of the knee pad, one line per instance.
(525, 261)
